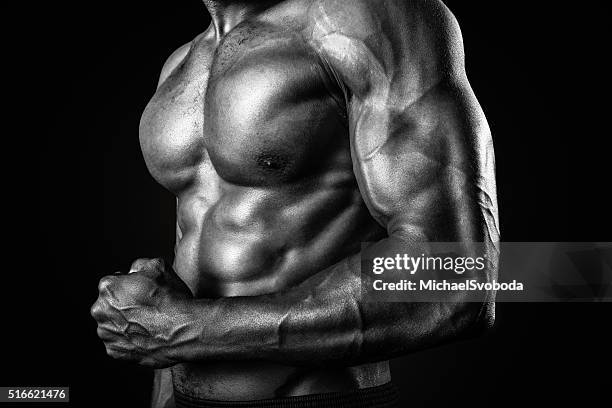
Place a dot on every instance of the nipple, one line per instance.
(271, 162)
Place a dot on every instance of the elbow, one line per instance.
(478, 311)
(478, 318)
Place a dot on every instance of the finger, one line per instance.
(144, 264)
(114, 322)
(138, 265)
(152, 363)
(122, 330)
(107, 335)
(99, 311)
(112, 327)
(107, 316)
(125, 347)
(94, 311)
(120, 354)
(112, 289)
(106, 288)
(116, 290)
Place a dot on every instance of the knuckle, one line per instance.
(151, 268)
(149, 263)
(137, 264)
(158, 263)
(96, 310)
(101, 333)
(105, 282)
(116, 352)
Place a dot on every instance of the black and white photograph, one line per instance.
(307, 204)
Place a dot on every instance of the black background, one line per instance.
(86, 205)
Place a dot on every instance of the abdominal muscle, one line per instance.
(253, 241)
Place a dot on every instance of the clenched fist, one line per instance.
(143, 316)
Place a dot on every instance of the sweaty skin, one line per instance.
(291, 132)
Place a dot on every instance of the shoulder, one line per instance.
(173, 61)
(377, 39)
(361, 19)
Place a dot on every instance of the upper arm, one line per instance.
(421, 147)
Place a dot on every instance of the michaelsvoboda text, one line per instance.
(445, 285)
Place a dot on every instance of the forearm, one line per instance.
(324, 319)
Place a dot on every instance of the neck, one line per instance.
(226, 14)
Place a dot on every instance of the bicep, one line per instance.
(425, 167)
(421, 146)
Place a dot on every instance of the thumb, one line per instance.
(146, 264)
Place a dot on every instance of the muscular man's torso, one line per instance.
(250, 133)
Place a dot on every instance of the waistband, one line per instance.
(382, 396)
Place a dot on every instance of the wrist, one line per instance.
(193, 325)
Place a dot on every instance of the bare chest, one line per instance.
(259, 109)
